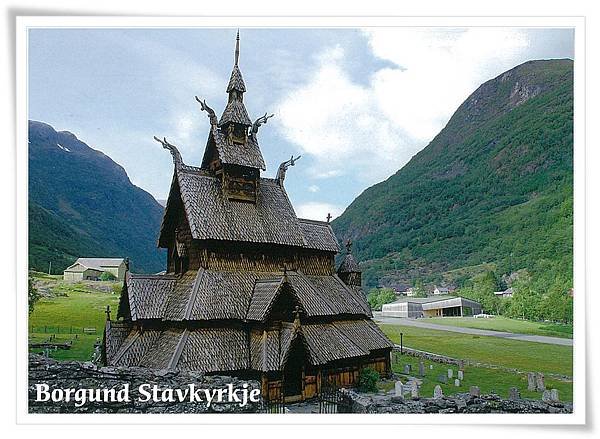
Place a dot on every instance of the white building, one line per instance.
(506, 293)
(440, 306)
(440, 290)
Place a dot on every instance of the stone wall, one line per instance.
(77, 375)
(458, 403)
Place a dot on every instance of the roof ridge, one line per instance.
(313, 221)
(179, 349)
(194, 294)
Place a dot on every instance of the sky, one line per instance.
(356, 104)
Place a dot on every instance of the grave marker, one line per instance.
(539, 382)
(531, 382)
(513, 393)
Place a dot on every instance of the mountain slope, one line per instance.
(492, 191)
(81, 203)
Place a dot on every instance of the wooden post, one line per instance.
(401, 344)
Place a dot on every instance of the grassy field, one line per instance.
(66, 309)
(488, 380)
(521, 355)
(504, 324)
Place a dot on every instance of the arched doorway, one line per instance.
(293, 371)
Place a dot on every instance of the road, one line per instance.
(419, 323)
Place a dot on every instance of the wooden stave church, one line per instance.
(250, 289)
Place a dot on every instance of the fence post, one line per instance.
(401, 344)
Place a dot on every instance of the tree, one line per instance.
(34, 296)
(483, 291)
(419, 289)
(378, 297)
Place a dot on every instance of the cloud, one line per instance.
(318, 211)
(436, 70)
(370, 131)
(313, 188)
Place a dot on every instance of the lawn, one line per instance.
(505, 324)
(68, 309)
(488, 380)
(521, 355)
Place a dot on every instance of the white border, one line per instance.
(579, 371)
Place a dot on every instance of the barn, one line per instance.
(92, 269)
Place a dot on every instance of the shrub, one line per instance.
(107, 275)
(367, 380)
(34, 296)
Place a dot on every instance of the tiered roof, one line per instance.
(245, 295)
(220, 349)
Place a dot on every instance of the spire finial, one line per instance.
(237, 47)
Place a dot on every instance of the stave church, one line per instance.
(249, 289)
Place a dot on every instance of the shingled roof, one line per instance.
(248, 154)
(236, 81)
(229, 349)
(318, 235)
(235, 112)
(241, 295)
(271, 220)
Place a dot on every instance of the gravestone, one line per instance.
(547, 396)
(443, 379)
(431, 367)
(539, 382)
(399, 389)
(438, 392)
(421, 369)
(407, 369)
(513, 393)
(474, 391)
(531, 381)
(414, 390)
(554, 395)
(461, 365)
(450, 373)
(457, 382)
(461, 375)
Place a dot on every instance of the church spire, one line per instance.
(235, 113)
(237, 48)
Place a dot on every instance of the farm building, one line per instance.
(250, 289)
(437, 306)
(92, 269)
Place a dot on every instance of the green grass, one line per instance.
(521, 355)
(488, 380)
(72, 307)
(505, 324)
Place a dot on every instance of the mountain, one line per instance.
(493, 191)
(82, 203)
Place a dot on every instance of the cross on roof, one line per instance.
(107, 312)
(349, 246)
(328, 217)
